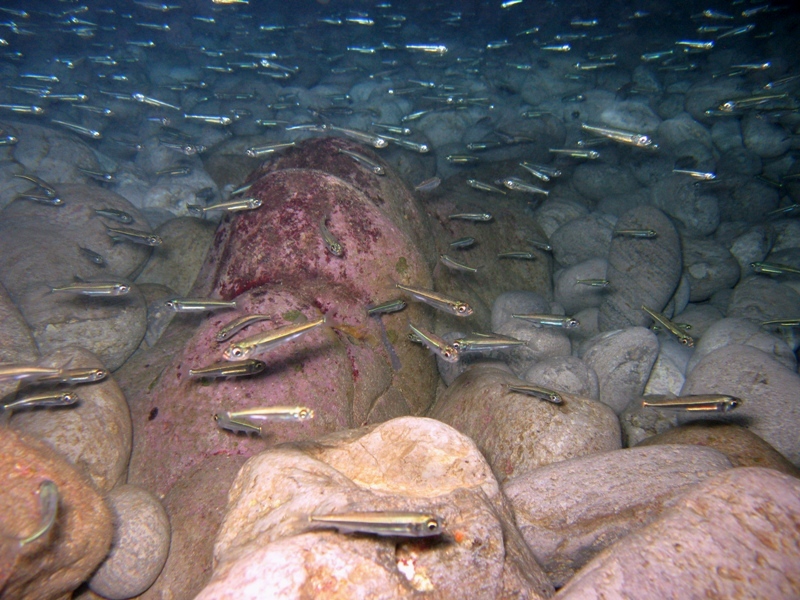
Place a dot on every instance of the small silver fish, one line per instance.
(120, 216)
(23, 372)
(589, 154)
(594, 282)
(331, 243)
(386, 523)
(435, 344)
(537, 391)
(364, 160)
(386, 307)
(89, 288)
(517, 255)
(139, 97)
(483, 217)
(464, 242)
(229, 369)
(235, 326)
(136, 236)
(198, 304)
(79, 129)
(682, 336)
(782, 323)
(693, 403)
(635, 233)
(75, 376)
(484, 342)
(360, 136)
(631, 138)
(231, 206)
(544, 246)
(47, 400)
(518, 185)
(264, 342)
(484, 187)
(439, 301)
(773, 268)
(48, 508)
(455, 265)
(540, 320)
(428, 185)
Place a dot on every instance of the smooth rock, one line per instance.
(704, 546)
(570, 511)
(760, 299)
(178, 264)
(94, 434)
(677, 196)
(638, 422)
(631, 115)
(568, 374)
(110, 327)
(575, 296)
(727, 134)
(700, 317)
(517, 432)
(641, 271)
(768, 391)
(540, 343)
(738, 162)
(51, 154)
(765, 138)
(668, 373)
(597, 181)
(746, 199)
(742, 447)
(513, 303)
(709, 93)
(752, 246)
(731, 331)
(622, 360)
(410, 464)
(552, 214)
(55, 564)
(582, 239)
(676, 132)
(709, 267)
(680, 299)
(140, 546)
(787, 234)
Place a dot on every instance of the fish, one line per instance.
(79, 129)
(464, 242)
(577, 153)
(94, 288)
(462, 159)
(393, 129)
(482, 217)
(136, 236)
(99, 175)
(231, 206)
(174, 171)
(438, 301)
(224, 421)
(782, 323)
(484, 187)
(23, 109)
(696, 45)
(41, 199)
(773, 268)
(264, 342)
(518, 185)
(631, 138)
(273, 413)
(693, 403)
(364, 160)
(439, 49)
(484, 342)
(701, 175)
(75, 376)
(46, 188)
(383, 523)
(25, 372)
(259, 151)
(635, 233)
(784, 211)
(48, 509)
(198, 304)
(517, 255)
(139, 97)
(229, 369)
(544, 246)
(683, 337)
(120, 216)
(541, 320)
(331, 243)
(360, 136)
(594, 282)
(435, 344)
(222, 120)
(233, 327)
(428, 185)
(386, 307)
(420, 147)
(46, 400)
(536, 391)
(455, 265)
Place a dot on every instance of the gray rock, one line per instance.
(700, 317)
(669, 370)
(746, 199)
(552, 214)
(680, 298)
(51, 154)
(752, 245)
(674, 133)
(631, 115)
(677, 196)
(762, 299)
(186, 241)
(511, 303)
(570, 511)
(767, 388)
(574, 296)
(765, 138)
(727, 134)
(709, 94)
(670, 105)
(582, 238)
(618, 205)
(641, 271)
(540, 343)
(705, 545)
(407, 464)
(520, 433)
(622, 360)
(443, 128)
(738, 162)
(640, 423)
(140, 546)
(721, 300)
(788, 234)
(732, 331)
(589, 328)
(112, 328)
(597, 181)
(95, 434)
(16, 342)
(709, 267)
(41, 244)
(568, 374)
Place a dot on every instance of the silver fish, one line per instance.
(464, 242)
(119, 234)
(484, 187)
(517, 184)
(75, 376)
(198, 304)
(120, 216)
(455, 265)
(47, 400)
(483, 342)
(364, 160)
(484, 217)
(90, 288)
(428, 185)
(386, 307)
(682, 336)
(540, 320)
(693, 403)
(235, 326)
(258, 151)
(632, 138)
(386, 523)
(517, 255)
(635, 233)
(229, 369)
(439, 301)
(23, 372)
(360, 136)
(536, 391)
(264, 342)
(435, 344)
(79, 129)
(231, 206)
(48, 508)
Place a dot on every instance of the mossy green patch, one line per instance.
(292, 315)
(391, 334)
(401, 266)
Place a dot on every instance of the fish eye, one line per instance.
(461, 308)
(432, 525)
(169, 304)
(123, 289)
(236, 352)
